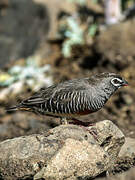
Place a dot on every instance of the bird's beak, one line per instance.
(125, 83)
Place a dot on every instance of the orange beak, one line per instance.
(125, 83)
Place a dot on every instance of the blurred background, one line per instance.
(43, 42)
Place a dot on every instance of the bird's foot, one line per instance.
(81, 123)
(85, 126)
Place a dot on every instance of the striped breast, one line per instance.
(69, 104)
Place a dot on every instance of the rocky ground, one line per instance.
(65, 152)
(111, 50)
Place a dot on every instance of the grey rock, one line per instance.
(26, 34)
(125, 159)
(65, 152)
(128, 149)
(21, 33)
(129, 175)
(109, 135)
(116, 44)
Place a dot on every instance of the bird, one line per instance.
(73, 98)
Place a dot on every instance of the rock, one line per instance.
(125, 159)
(124, 162)
(67, 151)
(129, 175)
(107, 133)
(31, 29)
(116, 44)
(128, 149)
(20, 30)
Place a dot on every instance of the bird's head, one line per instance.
(113, 80)
(119, 82)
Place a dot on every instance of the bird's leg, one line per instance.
(78, 122)
(85, 126)
(63, 120)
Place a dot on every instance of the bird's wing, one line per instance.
(62, 93)
(39, 97)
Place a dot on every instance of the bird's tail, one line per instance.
(18, 107)
(14, 108)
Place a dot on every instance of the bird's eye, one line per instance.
(116, 81)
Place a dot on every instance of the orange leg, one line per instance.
(85, 126)
(78, 122)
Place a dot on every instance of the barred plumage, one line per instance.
(75, 97)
